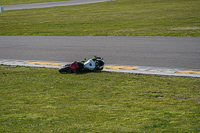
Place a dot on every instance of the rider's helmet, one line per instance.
(99, 64)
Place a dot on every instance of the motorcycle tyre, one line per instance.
(65, 69)
(99, 69)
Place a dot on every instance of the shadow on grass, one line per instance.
(80, 73)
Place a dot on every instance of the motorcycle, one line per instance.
(90, 65)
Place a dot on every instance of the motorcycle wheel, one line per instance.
(99, 69)
(65, 69)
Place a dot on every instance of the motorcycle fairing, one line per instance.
(90, 64)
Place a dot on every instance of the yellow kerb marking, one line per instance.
(189, 72)
(122, 67)
(106, 67)
(45, 63)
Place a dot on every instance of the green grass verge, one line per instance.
(14, 2)
(114, 18)
(42, 100)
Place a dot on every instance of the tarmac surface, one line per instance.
(112, 68)
(168, 52)
(51, 4)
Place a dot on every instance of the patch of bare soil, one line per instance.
(185, 28)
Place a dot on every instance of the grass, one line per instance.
(14, 2)
(113, 18)
(42, 100)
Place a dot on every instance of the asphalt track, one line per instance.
(50, 4)
(170, 52)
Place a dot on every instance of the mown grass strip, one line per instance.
(113, 18)
(43, 100)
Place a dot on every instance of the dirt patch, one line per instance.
(185, 28)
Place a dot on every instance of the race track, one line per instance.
(172, 52)
(51, 4)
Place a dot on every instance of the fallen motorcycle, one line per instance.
(90, 65)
